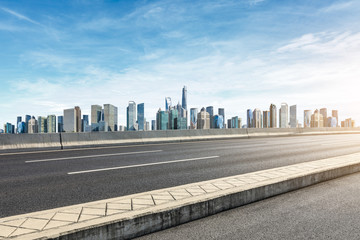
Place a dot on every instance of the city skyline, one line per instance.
(232, 55)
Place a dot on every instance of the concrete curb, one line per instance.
(231, 192)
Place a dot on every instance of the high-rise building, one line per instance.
(18, 120)
(335, 115)
(141, 116)
(9, 128)
(131, 116)
(210, 110)
(229, 123)
(257, 118)
(235, 122)
(153, 125)
(273, 116)
(20, 127)
(293, 118)
(284, 116)
(42, 121)
(111, 117)
(27, 119)
(72, 119)
(307, 118)
(266, 119)
(219, 121)
(249, 118)
(331, 122)
(173, 118)
(167, 103)
(203, 119)
(147, 126)
(193, 118)
(221, 112)
(51, 124)
(184, 98)
(33, 125)
(162, 120)
(323, 111)
(317, 120)
(60, 124)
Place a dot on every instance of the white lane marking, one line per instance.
(91, 156)
(142, 165)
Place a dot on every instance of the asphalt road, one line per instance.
(39, 180)
(329, 210)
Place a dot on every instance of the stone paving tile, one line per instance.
(222, 185)
(85, 217)
(54, 224)
(93, 211)
(138, 207)
(5, 231)
(14, 223)
(235, 182)
(33, 223)
(161, 201)
(119, 206)
(114, 211)
(123, 200)
(195, 191)
(22, 231)
(162, 196)
(140, 201)
(68, 217)
(209, 188)
(99, 206)
(247, 180)
(73, 210)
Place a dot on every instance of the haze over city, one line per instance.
(236, 55)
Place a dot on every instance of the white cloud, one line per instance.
(337, 6)
(20, 16)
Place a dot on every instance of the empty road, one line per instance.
(43, 179)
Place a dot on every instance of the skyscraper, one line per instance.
(219, 121)
(33, 125)
(257, 118)
(42, 121)
(111, 117)
(77, 119)
(131, 116)
(96, 111)
(317, 120)
(273, 116)
(284, 116)
(140, 116)
(193, 118)
(210, 110)
(266, 119)
(221, 112)
(249, 118)
(307, 118)
(162, 120)
(27, 119)
(51, 124)
(167, 103)
(335, 115)
(85, 124)
(293, 119)
(72, 119)
(203, 120)
(173, 118)
(60, 124)
(184, 98)
(235, 122)
(153, 125)
(323, 112)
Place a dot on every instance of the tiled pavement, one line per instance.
(24, 226)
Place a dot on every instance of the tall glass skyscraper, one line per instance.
(42, 121)
(335, 115)
(273, 116)
(193, 118)
(184, 98)
(167, 103)
(111, 117)
(284, 116)
(257, 118)
(162, 120)
(60, 124)
(51, 124)
(173, 118)
(140, 116)
(293, 118)
(131, 116)
(27, 119)
(249, 118)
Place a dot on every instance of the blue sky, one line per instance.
(232, 54)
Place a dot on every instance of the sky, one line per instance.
(233, 54)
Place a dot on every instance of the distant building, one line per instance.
(168, 103)
(51, 124)
(193, 118)
(203, 119)
(266, 119)
(42, 121)
(235, 122)
(21, 127)
(141, 116)
(229, 123)
(131, 116)
(218, 121)
(33, 125)
(273, 116)
(336, 115)
(210, 110)
(284, 116)
(257, 118)
(111, 117)
(293, 118)
(72, 120)
(307, 118)
(27, 119)
(323, 112)
(184, 98)
(249, 114)
(147, 126)
(162, 120)
(221, 112)
(349, 123)
(153, 125)
(331, 122)
(60, 124)
(317, 120)
(173, 118)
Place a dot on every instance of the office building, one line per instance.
(21, 128)
(72, 119)
(60, 124)
(221, 112)
(153, 125)
(273, 116)
(331, 122)
(18, 120)
(293, 117)
(229, 123)
(317, 120)
(307, 118)
(210, 110)
(167, 103)
(349, 123)
(193, 118)
(147, 126)
(9, 128)
(257, 118)
(249, 117)
(235, 122)
(323, 112)
(141, 116)
(96, 115)
(51, 123)
(42, 121)
(173, 118)
(284, 116)
(335, 115)
(110, 117)
(219, 121)
(33, 125)
(162, 120)
(203, 119)
(266, 119)
(131, 116)
(184, 98)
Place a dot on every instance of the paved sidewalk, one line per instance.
(69, 220)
